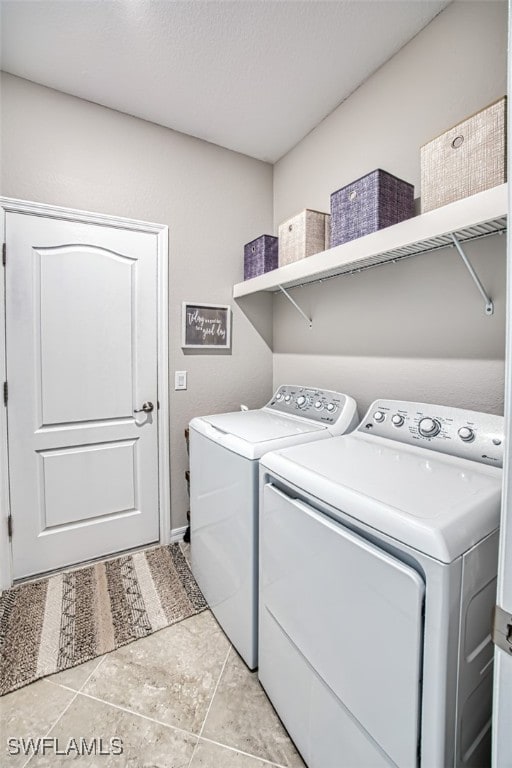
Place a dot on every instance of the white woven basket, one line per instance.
(303, 235)
(467, 159)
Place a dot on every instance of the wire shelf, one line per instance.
(467, 234)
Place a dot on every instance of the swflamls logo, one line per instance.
(44, 745)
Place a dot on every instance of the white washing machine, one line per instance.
(378, 556)
(224, 460)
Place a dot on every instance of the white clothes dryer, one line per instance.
(378, 559)
(224, 460)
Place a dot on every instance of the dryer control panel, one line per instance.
(320, 405)
(456, 431)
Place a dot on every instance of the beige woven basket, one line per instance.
(303, 235)
(467, 159)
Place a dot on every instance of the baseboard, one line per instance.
(177, 534)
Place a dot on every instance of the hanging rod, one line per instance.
(308, 319)
(489, 306)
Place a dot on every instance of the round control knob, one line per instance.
(466, 434)
(318, 405)
(302, 401)
(331, 407)
(397, 420)
(287, 398)
(429, 427)
(379, 416)
(279, 396)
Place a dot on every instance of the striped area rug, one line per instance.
(71, 617)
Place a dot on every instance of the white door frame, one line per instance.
(162, 236)
(502, 698)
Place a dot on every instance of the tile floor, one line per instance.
(180, 698)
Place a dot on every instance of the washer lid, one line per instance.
(253, 433)
(259, 426)
(439, 504)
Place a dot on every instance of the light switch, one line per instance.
(180, 379)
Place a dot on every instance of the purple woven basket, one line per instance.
(373, 202)
(260, 255)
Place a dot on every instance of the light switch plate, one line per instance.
(180, 379)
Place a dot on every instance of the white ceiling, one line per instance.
(251, 75)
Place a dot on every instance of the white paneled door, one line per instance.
(81, 341)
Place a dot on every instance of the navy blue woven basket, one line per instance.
(260, 255)
(368, 204)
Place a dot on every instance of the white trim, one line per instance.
(164, 458)
(501, 750)
(162, 236)
(72, 214)
(177, 534)
(5, 548)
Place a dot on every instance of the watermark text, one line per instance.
(49, 745)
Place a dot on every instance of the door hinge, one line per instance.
(6, 393)
(9, 526)
(4, 254)
(502, 629)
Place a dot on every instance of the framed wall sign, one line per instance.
(205, 325)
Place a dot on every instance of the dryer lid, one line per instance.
(438, 504)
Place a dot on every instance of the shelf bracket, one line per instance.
(308, 319)
(489, 306)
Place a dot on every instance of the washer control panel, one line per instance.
(320, 405)
(468, 434)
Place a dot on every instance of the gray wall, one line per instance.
(411, 330)
(416, 329)
(60, 150)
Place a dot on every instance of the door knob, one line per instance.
(146, 407)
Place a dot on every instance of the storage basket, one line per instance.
(467, 159)
(368, 204)
(303, 235)
(260, 255)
